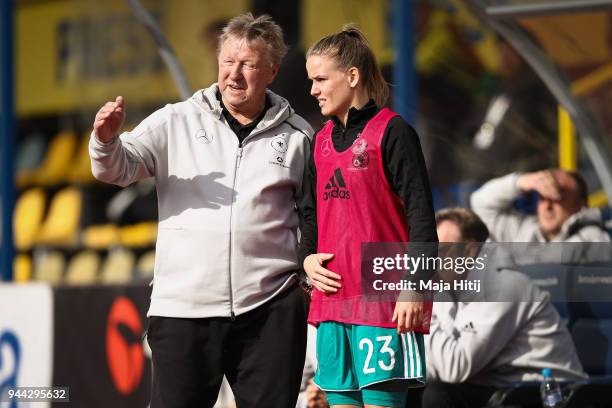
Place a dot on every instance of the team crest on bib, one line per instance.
(361, 159)
(360, 145)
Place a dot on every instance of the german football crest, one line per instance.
(361, 159)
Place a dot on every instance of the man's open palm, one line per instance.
(109, 120)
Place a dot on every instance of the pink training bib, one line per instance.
(355, 204)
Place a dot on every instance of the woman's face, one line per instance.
(330, 85)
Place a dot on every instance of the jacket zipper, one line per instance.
(231, 291)
(238, 159)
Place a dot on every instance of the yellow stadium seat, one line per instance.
(81, 169)
(118, 267)
(100, 236)
(58, 161)
(62, 222)
(139, 235)
(22, 268)
(49, 266)
(146, 264)
(28, 217)
(83, 268)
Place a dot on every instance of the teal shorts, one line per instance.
(352, 358)
(388, 394)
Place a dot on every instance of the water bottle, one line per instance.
(550, 390)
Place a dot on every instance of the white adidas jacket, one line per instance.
(227, 234)
(499, 343)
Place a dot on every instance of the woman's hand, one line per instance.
(323, 279)
(408, 315)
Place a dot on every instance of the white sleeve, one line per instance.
(131, 156)
(493, 204)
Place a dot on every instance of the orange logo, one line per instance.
(124, 352)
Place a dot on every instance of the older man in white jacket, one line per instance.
(228, 165)
(475, 347)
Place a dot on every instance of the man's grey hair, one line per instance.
(262, 28)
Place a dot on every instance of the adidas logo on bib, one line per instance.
(336, 187)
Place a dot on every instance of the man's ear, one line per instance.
(353, 76)
(275, 68)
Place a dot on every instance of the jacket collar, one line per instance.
(357, 117)
(571, 226)
(279, 111)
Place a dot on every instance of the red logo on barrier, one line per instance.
(124, 351)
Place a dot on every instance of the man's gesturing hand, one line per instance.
(321, 278)
(109, 120)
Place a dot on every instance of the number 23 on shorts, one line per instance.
(383, 355)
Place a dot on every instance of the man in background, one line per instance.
(562, 213)
(477, 347)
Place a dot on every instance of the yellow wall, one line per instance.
(324, 17)
(574, 39)
(75, 54)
